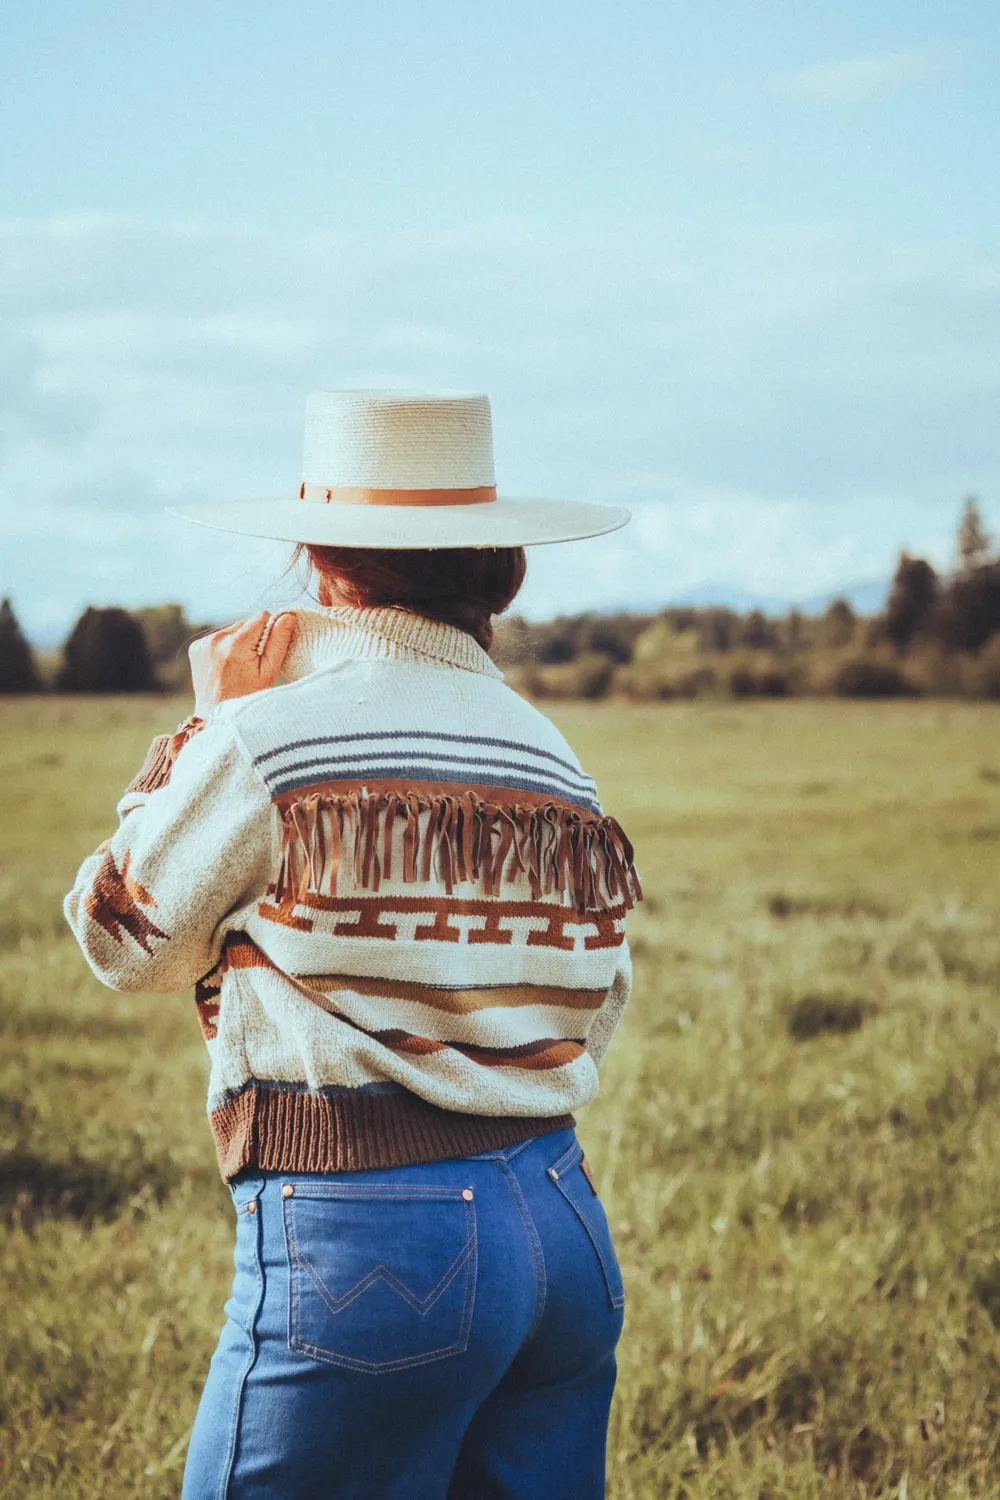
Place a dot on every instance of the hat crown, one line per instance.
(398, 440)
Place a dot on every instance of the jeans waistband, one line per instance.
(250, 1181)
(552, 1137)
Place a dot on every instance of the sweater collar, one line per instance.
(331, 633)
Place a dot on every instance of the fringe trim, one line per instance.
(466, 839)
(156, 768)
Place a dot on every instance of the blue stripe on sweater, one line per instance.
(376, 757)
(425, 734)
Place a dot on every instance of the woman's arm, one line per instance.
(151, 906)
(605, 1022)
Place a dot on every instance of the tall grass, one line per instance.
(796, 1137)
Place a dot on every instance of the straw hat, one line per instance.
(404, 469)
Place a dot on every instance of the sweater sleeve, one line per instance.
(605, 1023)
(151, 906)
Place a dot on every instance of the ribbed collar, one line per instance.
(330, 633)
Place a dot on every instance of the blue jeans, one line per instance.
(444, 1331)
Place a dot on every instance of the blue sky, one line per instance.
(733, 265)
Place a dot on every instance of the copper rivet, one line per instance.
(287, 1190)
(251, 1208)
(467, 1194)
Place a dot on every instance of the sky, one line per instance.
(732, 265)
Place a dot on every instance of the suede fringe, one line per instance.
(466, 839)
(156, 768)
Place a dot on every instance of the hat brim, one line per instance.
(508, 521)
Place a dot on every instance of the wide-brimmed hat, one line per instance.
(404, 469)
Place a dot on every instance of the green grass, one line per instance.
(796, 1138)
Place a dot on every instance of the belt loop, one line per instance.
(246, 1189)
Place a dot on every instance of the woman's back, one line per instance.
(418, 948)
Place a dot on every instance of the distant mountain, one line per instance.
(865, 598)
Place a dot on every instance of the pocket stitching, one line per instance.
(617, 1298)
(298, 1263)
(419, 1305)
(568, 1159)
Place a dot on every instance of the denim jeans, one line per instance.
(444, 1331)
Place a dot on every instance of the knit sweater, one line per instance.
(394, 891)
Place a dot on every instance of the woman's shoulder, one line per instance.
(519, 715)
(363, 720)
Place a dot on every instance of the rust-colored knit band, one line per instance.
(480, 494)
(276, 1129)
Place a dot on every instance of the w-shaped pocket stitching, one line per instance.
(421, 1305)
(571, 1180)
(381, 1277)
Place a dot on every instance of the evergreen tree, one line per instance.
(838, 624)
(973, 538)
(106, 653)
(796, 636)
(717, 630)
(18, 672)
(970, 610)
(911, 601)
(757, 632)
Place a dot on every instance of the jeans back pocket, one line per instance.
(381, 1276)
(575, 1185)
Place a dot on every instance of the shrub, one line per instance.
(872, 679)
(768, 682)
(773, 682)
(984, 674)
(645, 682)
(814, 1015)
(589, 676)
(938, 673)
(167, 630)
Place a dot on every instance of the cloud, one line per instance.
(860, 80)
(31, 410)
(782, 407)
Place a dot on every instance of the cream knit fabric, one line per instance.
(393, 887)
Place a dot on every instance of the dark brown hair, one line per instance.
(463, 586)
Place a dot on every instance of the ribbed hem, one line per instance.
(276, 1129)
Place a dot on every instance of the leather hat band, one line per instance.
(358, 495)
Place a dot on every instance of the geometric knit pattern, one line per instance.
(393, 889)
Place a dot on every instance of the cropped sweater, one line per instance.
(394, 891)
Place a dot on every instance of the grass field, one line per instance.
(797, 1137)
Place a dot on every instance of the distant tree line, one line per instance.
(938, 634)
(107, 651)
